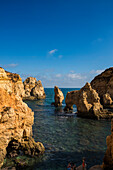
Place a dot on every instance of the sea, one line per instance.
(66, 137)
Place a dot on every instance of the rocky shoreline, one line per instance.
(93, 101)
(16, 120)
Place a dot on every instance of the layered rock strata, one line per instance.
(88, 103)
(11, 82)
(103, 84)
(33, 89)
(59, 97)
(16, 120)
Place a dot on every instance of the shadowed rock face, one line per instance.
(103, 83)
(59, 97)
(11, 82)
(16, 120)
(88, 103)
(108, 158)
(33, 89)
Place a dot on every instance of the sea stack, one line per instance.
(59, 97)
(88, 103)
(33, 89)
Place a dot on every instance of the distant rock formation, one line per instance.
(103, 84)
(11, 82)
(33, 89)
(88, 103)
(16, 120)
(107, 99)
(59, 97)
(108, 158)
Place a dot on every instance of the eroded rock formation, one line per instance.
(108, 158)
(88, 103)
(16, 120)
(59, 97)
(103, 84)
(33, 89)
(11, 82)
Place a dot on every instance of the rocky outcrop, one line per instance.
(103, 84)
(59, 97)
(11, 82)
(107, 99)
(108, 158)
(88, 103)
(16, 120)
(33, 89)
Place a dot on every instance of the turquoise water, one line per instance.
(67, 138)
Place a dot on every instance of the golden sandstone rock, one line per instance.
(16, 119)
(11, 82)
(108, 158)
(88, 103)
(59, 97)
(103, 84)
(33, 89)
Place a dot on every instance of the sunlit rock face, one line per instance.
(59, 97)
(33, 89)
(88, 103)
(103, 84)
(108, 158)
(11, 82)
(16, 120)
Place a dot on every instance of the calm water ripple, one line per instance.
(67, 138)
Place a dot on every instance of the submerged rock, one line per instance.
(59, 97)
(16, 120)
(33, 89)
(88, 103)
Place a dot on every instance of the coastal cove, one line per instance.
(66, 137)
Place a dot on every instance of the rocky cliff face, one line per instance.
(11, 82)
(108, 158)
(59, 97)
(16, 119)
(103, 84)
(33, 89)
(88, 103)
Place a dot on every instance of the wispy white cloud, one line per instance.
(98, 40)
(60, 56)
(10, 65)
(52, 51)
(58, 75)
(96, 71)
(74, 76)
(72, 71)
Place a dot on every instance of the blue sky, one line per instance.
(61, 42)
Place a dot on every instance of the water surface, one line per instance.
(67, 138)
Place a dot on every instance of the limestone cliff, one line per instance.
(59, 97)
(11, 82)
(16, 120)
(33, 89)
(103, 84)
(88, 103)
